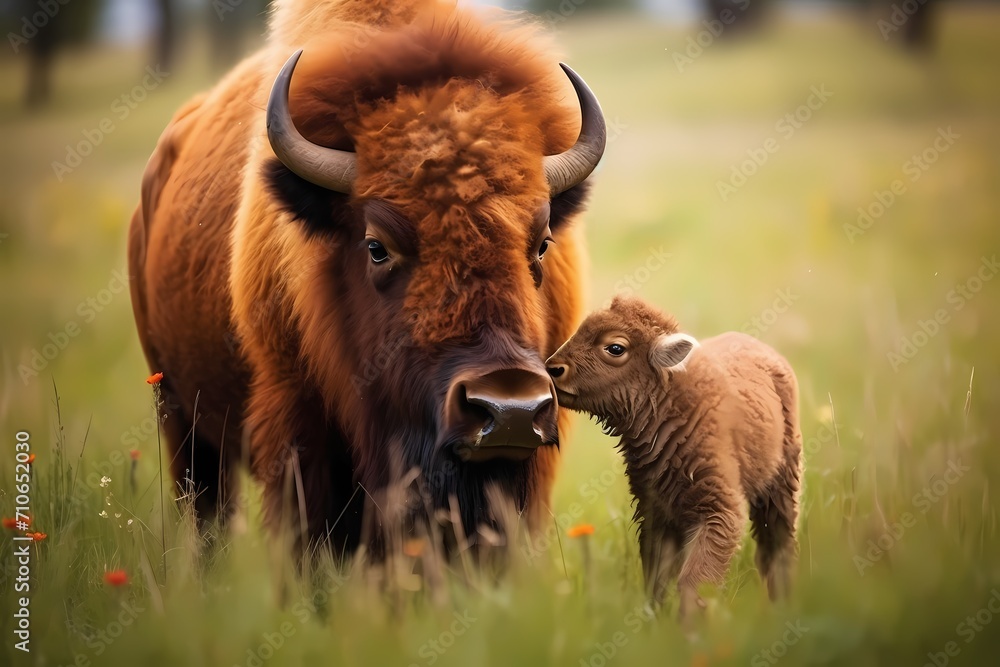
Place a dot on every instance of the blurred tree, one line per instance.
(734, 14)
(230, 23)
(909, 21)
(39, 29)
(165, 33)
(557, 11)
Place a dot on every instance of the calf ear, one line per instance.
(671, 351)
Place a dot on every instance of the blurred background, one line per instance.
(822, 175)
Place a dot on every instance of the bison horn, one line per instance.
(326, 167)
(335, 169)
(567, 169)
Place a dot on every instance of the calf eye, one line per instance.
(377, 251)
(615, 350)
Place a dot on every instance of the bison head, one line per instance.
(433, 216)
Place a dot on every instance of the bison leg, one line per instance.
(198, 468)
(775, 512)
(660, 550)
(774, 515)
(710, 546)
(305, 468)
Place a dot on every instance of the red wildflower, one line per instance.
(134, 454)
(413, 548)
(580, 530)
(10, 523)
(37, 537)
(31, 459)
(154, 378)
(116, 578)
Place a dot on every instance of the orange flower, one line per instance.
(724, 650)
(116, 578)
(413, 548)
(31, 459)
(580, 530)
(134, 454)
(154, 378)
(9, 522)
(699, 660)
(37, 537)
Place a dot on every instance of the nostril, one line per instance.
(556, 371)
(543, 422)
(476, 410)
(541, 407)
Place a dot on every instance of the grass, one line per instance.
(880, 441)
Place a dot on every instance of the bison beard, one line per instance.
(367, 304)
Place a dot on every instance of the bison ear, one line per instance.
(672, 351)
(321, 212)
(567, 204)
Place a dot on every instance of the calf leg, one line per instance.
(775, 512)
(660, 550)
(710, 546)
(773, 516)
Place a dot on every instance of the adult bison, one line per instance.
(376, 294)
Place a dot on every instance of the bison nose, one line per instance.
(503, 414)
(556, 370)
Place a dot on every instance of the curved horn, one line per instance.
(326, 167)
(567, 169)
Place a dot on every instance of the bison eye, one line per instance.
(377, 251)
(615, 350)
(542, 248)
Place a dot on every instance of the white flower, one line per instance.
(105, 481)
(103, 514)
(129, 523)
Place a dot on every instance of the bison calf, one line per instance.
(704, 428)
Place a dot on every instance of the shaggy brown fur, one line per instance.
(704, 428)
(254, 293)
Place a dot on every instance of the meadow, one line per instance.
(810, 184)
